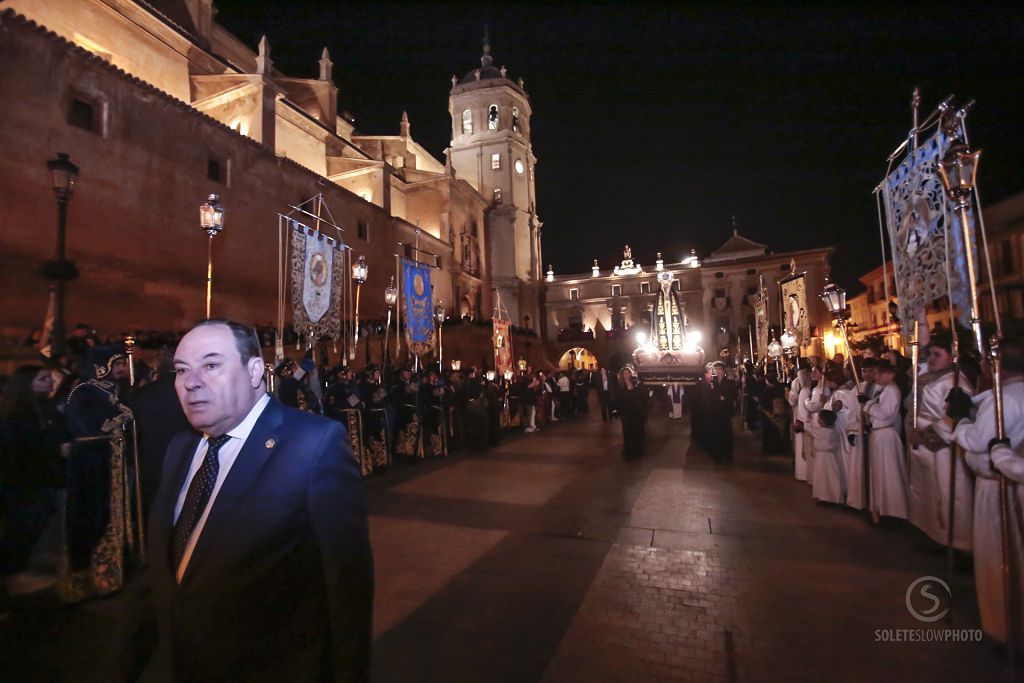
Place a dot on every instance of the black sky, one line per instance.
(654, 126)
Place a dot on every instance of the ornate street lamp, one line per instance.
(359, 273)
(959, 170)
(790, 346)
(439, 315)
(834, 297)
(489, 375)
(61, 270)
(211, 219)
(390, 299)
(456, 365)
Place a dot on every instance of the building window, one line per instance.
(618, 320)
(719, 292)
(82, 114)
(751, 271)
(495, 162)
(645, 287)
(363, 230)
(719, 276)
(497, 195)
(467, 122)
(1007, 256)
(515, 120)
(492, 117)
(576, 322)
(675, 285)
(616, 290)
(783, 266)
(213, 170)
(574, 294)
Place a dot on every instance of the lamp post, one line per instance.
(359, 273)
(834, 297)
(211, 219)
(390, 299)
(439, 316)
(456, 365)
(63, 174)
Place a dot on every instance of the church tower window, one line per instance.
(467, 122)
(495, 162)
(497, 195)
(492, 117)
(515, 120)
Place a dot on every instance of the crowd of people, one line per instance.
(410, 413)
(861, 438)
(76, 436)
(82, 447)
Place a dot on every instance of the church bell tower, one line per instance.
(491, 150)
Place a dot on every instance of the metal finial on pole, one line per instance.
(915, 104)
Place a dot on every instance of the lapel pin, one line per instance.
(270, 443)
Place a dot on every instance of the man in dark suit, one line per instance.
(259, 562)
(604, 383)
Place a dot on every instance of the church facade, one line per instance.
(158, 106)
(593, 318)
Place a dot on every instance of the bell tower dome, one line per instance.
(491, 150)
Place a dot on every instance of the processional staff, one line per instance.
(129, 350)
(958, 170)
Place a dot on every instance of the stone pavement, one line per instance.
(550, 559)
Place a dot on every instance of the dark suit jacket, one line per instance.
(280, 584)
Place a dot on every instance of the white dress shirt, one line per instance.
(226, 458)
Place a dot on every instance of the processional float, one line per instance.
(670, 352)
(935, 229)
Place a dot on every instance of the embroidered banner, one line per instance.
(316, 277)
(761, 323)
(794, 307)
(419, 307)
(502, 347)
(923, 230)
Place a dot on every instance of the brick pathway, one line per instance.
(550, 559)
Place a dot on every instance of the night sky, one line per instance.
(656, 126)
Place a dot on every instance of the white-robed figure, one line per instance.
(974, 435)
(796, 390)
(813, 400)
(830, 483)
(675, 395)
(1011, 464)
(931, 454)
(888, 468)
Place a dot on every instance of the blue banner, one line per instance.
(419, 307)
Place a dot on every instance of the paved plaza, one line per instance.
(551, 559)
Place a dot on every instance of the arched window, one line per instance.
(492, 117)
(515, 119)
(467, 122)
